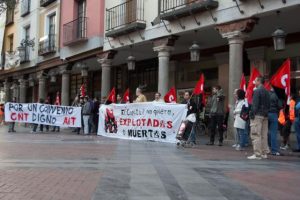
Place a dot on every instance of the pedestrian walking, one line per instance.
(259, 120)
(217, 115)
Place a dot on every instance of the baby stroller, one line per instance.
(184, 133)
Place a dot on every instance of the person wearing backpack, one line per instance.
(239, 122)
(275, 106)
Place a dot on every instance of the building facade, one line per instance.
(232, 37)
(56, 44)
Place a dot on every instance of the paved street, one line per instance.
(64, 166)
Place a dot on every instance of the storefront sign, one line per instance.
(141, 121)
(36, 113)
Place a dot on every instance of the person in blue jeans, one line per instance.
(297, 125)
(275, 106)
(239, 123)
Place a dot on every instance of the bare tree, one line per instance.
(6, 4)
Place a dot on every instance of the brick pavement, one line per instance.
(69, 166)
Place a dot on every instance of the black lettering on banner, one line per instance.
(42, 108)
(71, 110)
(59, 110)
(150, 132)
(144, 133)
(163, 135)
(130, 133)
(139, 133)
(34, 117)
(156, 134)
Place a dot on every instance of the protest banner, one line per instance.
(36, 113)
(141, 121)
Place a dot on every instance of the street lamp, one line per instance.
(195, 52)
(131, 63)
(279, 39)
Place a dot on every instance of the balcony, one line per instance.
(125, 18)
(45, 3)
(174, 9)
(24, 54)
(75, 31)
(25, 7)
(9, 17)
(47, 45)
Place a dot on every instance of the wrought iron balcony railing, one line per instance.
(45, 3)
(24, 53)
(25, 7)
(47, 45)
(129, 14)
(75, 31)
(173, 9)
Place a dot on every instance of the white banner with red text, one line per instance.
(141, 121)
(36, 113)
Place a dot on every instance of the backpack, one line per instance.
(245, 112)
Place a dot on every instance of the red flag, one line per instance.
(199, 86)
(57, 99)
(112, 96)
(243, 83)
(267, 85)
(249, 93)
(170, 97)
(126, 98)
(82, 90)
(282, 77)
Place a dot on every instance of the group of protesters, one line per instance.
(256, 123)
(262, 119)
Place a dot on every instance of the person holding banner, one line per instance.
(140, 96)
(11, 126)
(35, 126)
(157, 98)
(119, 99)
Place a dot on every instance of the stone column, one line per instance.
(23, 90)
(42, 87)
(222, 60)
(172, 72)
(6, 86)
(105, 76)
(257, 57)
(65, 88)
(15, 88)
(235, 32)
(163, 67)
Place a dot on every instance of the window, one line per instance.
(81, 18)
(25, 50)
(11, 42)
(25, 7)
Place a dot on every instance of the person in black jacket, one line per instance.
(259, 120)
(275, 105)
(191, 113)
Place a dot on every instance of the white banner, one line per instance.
(141, 121)
(36, 113)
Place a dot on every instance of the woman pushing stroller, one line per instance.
(186, 132)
